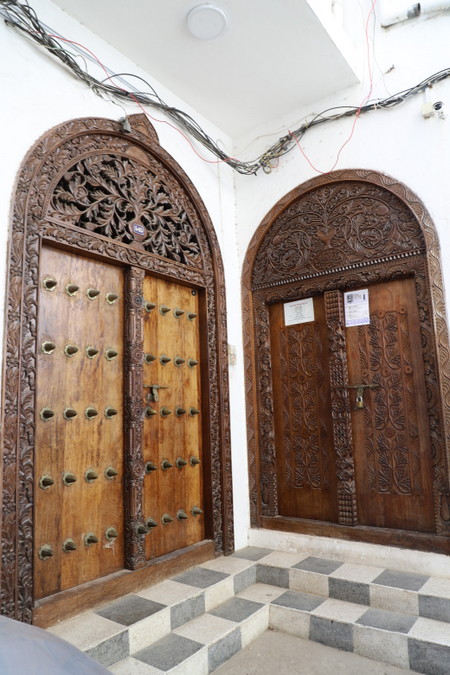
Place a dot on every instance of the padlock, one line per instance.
(359, 401)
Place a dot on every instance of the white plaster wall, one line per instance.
(39, 93)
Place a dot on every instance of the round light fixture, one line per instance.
(206, 22)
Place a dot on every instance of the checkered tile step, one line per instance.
(197, 620)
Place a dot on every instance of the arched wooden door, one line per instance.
(350, 437)
(116, 441)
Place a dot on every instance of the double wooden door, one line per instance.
(81, 392)
(330, 438)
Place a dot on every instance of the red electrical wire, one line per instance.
(221, 161)
(358, 112)
(130, 93)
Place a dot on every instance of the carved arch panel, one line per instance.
(338, 232)
(90, 188)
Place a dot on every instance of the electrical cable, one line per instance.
(22, 17)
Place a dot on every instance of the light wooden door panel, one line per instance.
(174, 438)
(388, 438)
(81, 368)
(77, 445)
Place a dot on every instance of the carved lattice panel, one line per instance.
(122, 199)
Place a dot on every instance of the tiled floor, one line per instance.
(197, 620)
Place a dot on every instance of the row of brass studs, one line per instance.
(69, 478)
(151, 523)
(70, 350)
(165, 412)
(46, 414)
(50, 283)
(164, 360)
(46, 551)
(164, 310)
(165, 464)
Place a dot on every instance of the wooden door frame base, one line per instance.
(68, 603)
(421, 541)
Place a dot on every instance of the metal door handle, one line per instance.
(153, 395)
(359, 391)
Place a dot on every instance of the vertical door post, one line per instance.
(133, 419)
(340, 408)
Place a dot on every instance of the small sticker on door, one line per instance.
(298, 311)
(356, 306)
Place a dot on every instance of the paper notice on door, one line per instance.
(298, 311)
(356, 306)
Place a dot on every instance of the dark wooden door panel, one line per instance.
(172, 427)
(388, 437)
(79, 448)
(303, 426)
(392, 449)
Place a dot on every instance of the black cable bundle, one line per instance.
(21, 16)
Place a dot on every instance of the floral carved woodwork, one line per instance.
(392, 442)
(337, 232)
(301, 368)
(330, 226)
(91, 188)
(125, 201)
(134, 411)
(340, 408)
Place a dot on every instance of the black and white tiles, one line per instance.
(196, 621)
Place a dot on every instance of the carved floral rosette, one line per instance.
(340, 231)
(90, 187)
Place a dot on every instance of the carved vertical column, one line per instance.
(269, 487)
(133, 418)
(340, 409)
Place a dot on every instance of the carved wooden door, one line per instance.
(324, 436)
(81, 503)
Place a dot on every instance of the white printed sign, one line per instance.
(356, 307)
(298, 311)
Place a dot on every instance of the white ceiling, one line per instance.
(274, 56)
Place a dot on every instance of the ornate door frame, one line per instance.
(291, 256)
(180, 244)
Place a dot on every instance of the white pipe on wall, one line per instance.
(405, 11)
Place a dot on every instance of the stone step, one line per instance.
(202, 644)
(126, 626)
(197, 620)
(379, 587)
(404, 640)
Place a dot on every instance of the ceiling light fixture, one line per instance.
(206, 21)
